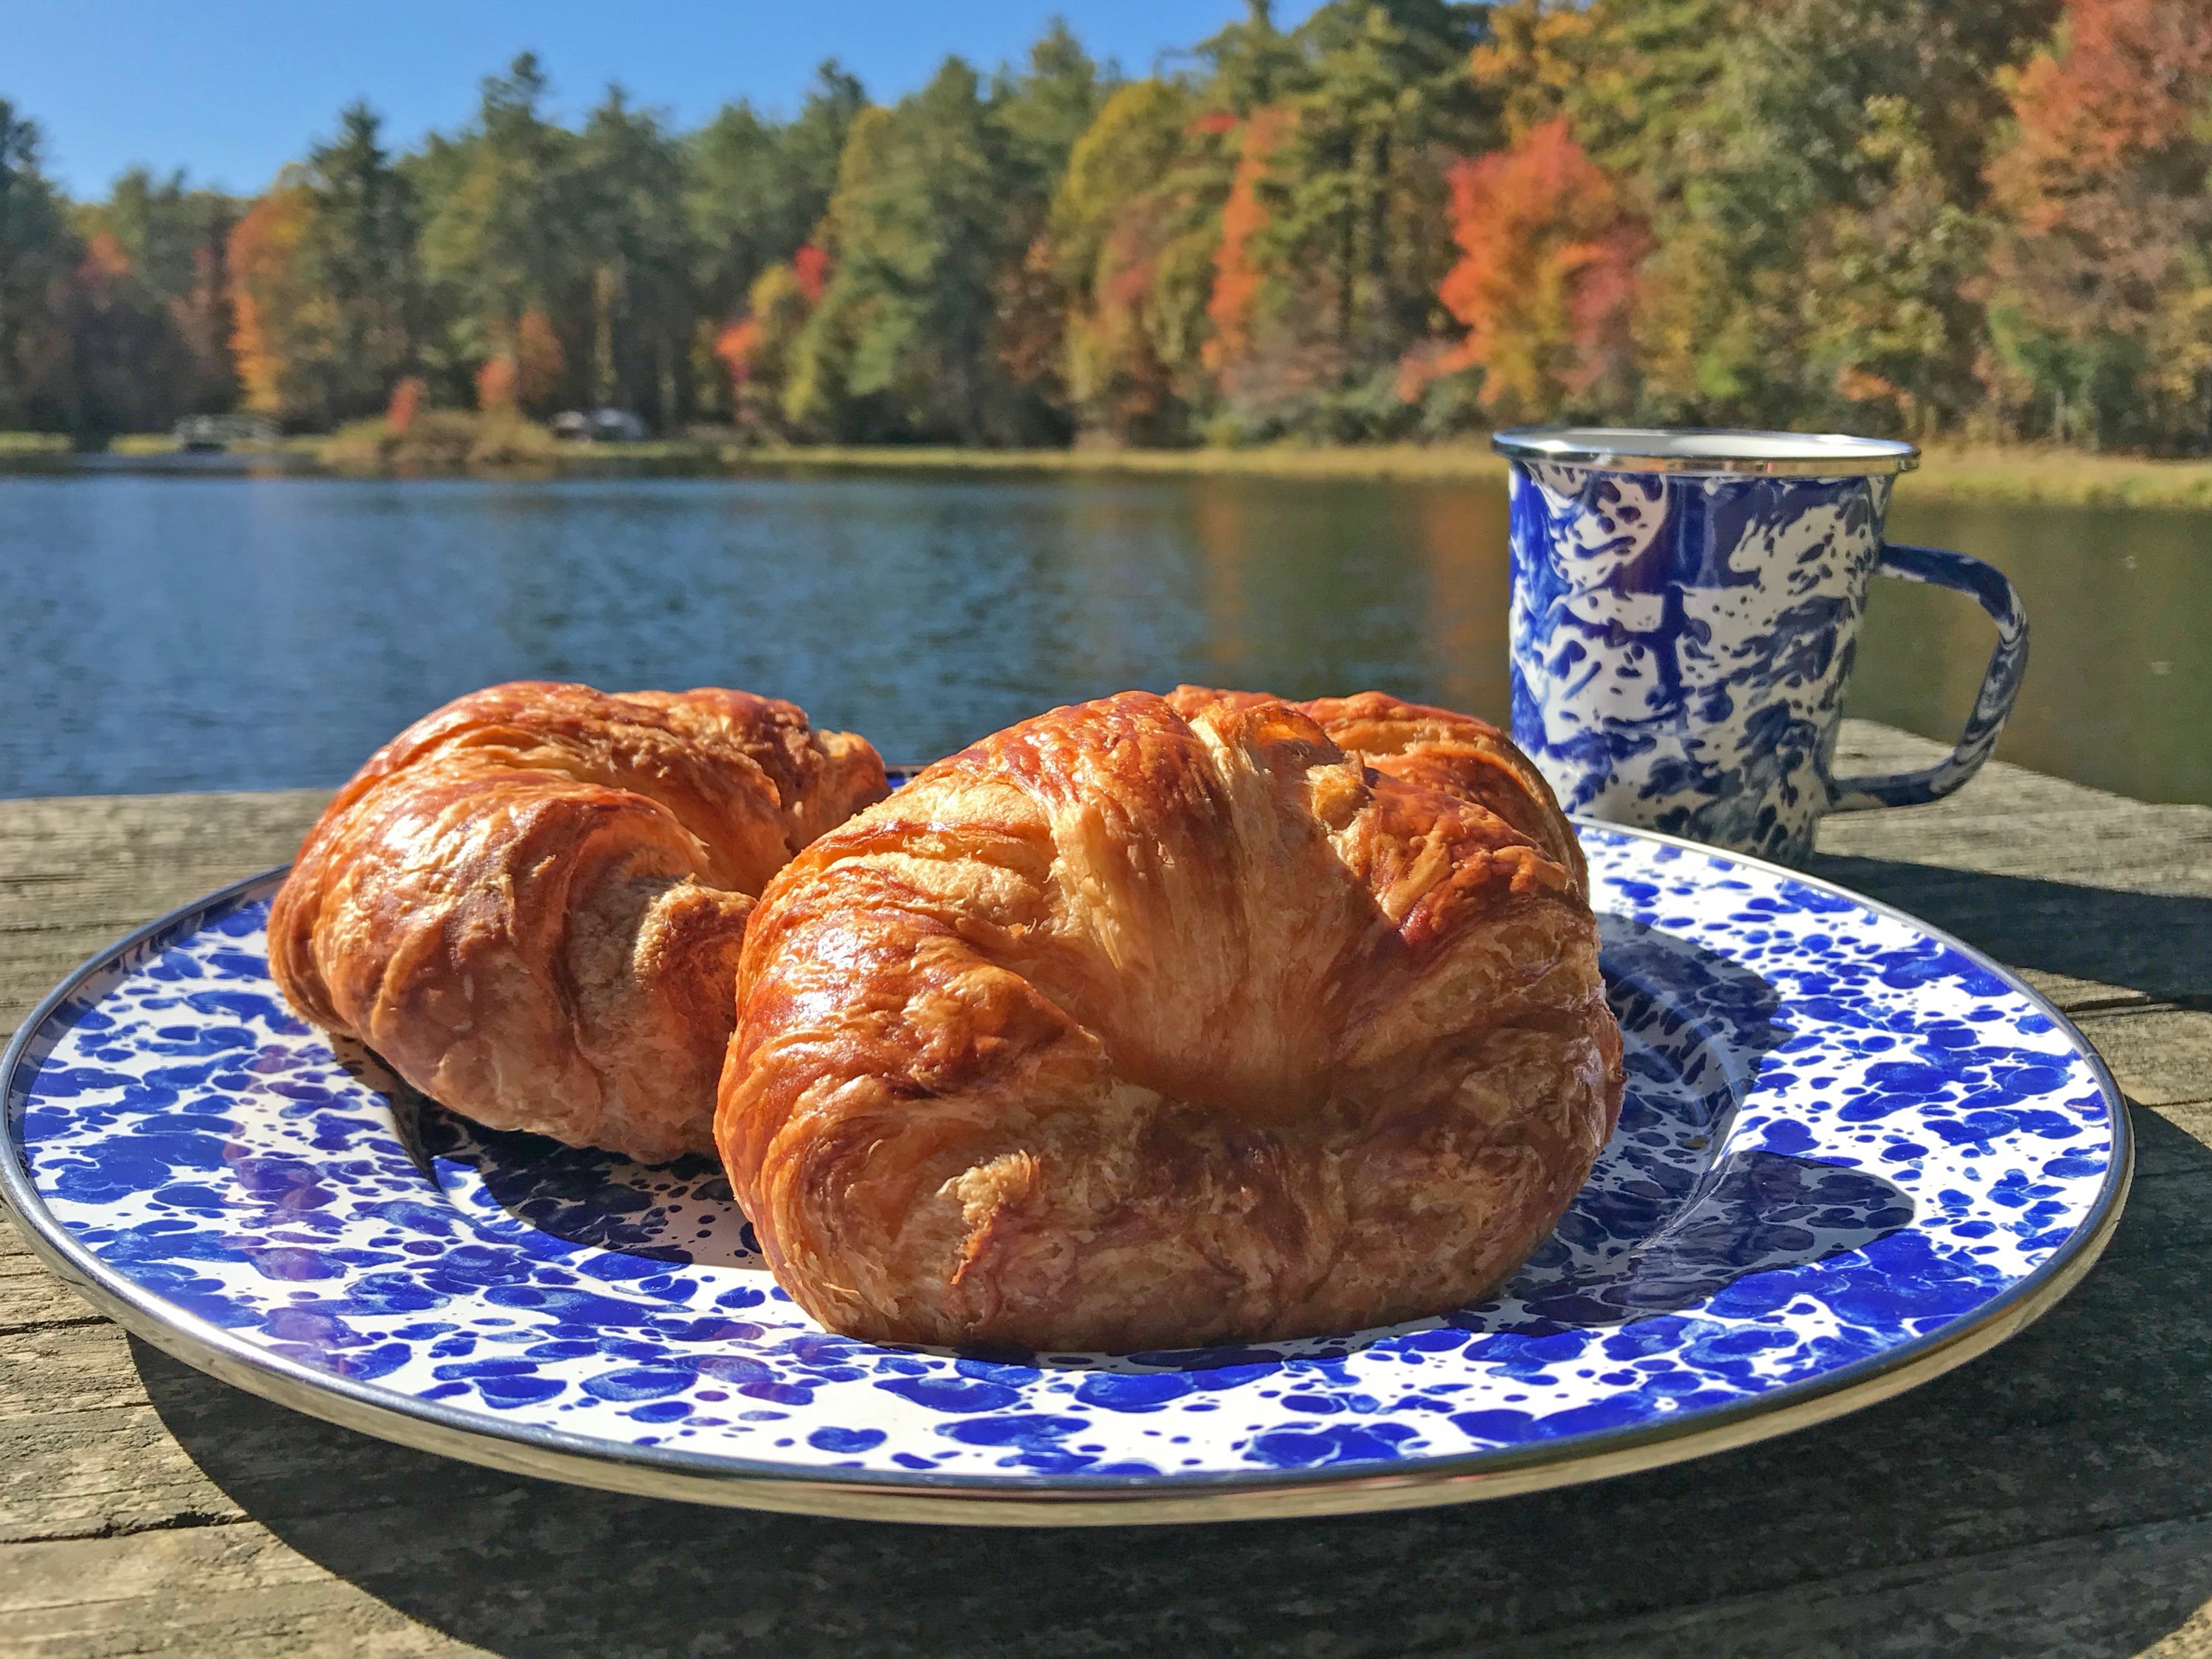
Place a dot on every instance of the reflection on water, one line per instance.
(172, 633)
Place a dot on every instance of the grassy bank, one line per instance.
(449, 442)
(1437, 461)
(1989, 473)
(2045, 475)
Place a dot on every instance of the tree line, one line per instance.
(1399, 219)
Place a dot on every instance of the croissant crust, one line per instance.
(531, 901)
(1155, 1022)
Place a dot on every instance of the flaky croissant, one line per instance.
(1151, 1023)
(530, 902)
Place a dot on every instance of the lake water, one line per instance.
(229, 632)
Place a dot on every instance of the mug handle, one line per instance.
(2000, 684)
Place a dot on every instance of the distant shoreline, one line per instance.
(1962, 474)
(1947, 474)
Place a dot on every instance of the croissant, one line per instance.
(1153, 1021)
(530, 902)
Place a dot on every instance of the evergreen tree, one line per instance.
(1046, 107)
(502, 232)
(902, 343)
(37, 252)
(757, 191)
(1043, 110)
(637, 239)
(1360, 183)
(359, 250)
(1250, 64)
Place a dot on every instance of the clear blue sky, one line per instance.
(231, 89)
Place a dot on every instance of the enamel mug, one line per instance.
(1686, 612)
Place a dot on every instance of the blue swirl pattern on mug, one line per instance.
(1680, 643)
(1841, 1135)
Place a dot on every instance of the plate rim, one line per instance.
(969, 1498)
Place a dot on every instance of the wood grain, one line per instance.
(2052, 1498)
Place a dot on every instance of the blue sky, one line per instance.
(231, 89)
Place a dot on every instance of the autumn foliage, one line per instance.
(1239, 273)
(777, 306)
(2122, 91)
(1397, 219)
(810, 269)
(2102, 274)
(405, 404)
(273, 304)
(738, 345)
(1546, 277)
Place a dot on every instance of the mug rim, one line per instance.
(1708, 450)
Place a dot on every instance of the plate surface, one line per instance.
(1853, 1153)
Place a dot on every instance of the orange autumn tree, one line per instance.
(278, 336)
(495, 379)
(405, 405)
(2103, 285)
(539, 363)
(525, 377)
(1238, 276)
(1546, 281)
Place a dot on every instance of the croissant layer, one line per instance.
(531, 901)
(1157, 1022)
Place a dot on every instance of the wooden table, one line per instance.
(2054, 1497)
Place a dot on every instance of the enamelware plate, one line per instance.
(1854, 1154)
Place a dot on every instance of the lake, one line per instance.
(168, 632)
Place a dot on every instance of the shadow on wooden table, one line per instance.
(2053, 1497)
(2158, 944)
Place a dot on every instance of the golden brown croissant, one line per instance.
(530, 902)
(1151, 1023)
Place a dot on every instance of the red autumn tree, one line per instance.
(811, 266)
(1546, 277)
(2123, 85)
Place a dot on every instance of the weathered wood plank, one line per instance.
(77, 872)
(48, 1369)
(2114, 1592)
(99, 1473)
(30, 1295)
(2193, 1121)
(198, 1590)
(2159, 1056)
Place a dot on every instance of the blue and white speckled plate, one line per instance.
(1854, 1154)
